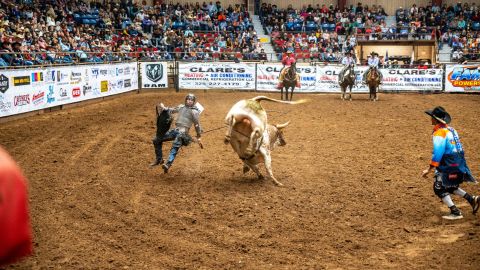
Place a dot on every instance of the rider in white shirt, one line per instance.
(346, 61)
(373, 62)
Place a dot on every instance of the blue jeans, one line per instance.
(171, 135)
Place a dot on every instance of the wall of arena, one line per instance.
(422, 50)
(28, 90)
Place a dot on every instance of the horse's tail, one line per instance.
(260, 98)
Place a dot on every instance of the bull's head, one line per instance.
(280, 140)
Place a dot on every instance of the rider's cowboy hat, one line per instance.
(440, 114)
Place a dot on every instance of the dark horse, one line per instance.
(289, 81)
(373, 81)
(347, 80)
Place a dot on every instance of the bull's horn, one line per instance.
(280, 126)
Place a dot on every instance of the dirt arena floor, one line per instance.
(353, 195)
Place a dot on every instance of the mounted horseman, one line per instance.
(346, 78)
(373, 62)
(373, 77)
(288, 78)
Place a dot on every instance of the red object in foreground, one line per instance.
(15, 231)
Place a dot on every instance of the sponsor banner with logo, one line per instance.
(154, 74)
(327, 79)
(462, 78)
(239, 76)
(412, 79)
(29, 90)
(312, 78)
(21, 91)
(267, 77)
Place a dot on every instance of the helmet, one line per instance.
(191, 96)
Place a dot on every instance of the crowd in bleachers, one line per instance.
(70, 31)
(458, 25)
(66, 31)
(316, 46)
(331, 31)
(326, 19)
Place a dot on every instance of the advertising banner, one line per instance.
(34, 89)
(239, 76)
(412, 79)
(327, 79)
(267, 77)
(324, 78)
(462, 78)
(154, 74)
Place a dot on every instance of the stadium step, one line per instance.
(257, 25)
(264, 38)
(444, 55)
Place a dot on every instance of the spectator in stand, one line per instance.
(262, 56)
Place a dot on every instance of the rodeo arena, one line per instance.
(155, 134)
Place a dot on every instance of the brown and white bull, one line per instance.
(251, 136)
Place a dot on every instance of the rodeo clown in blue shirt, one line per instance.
(448, 160)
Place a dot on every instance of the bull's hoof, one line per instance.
(246, 169)
(261, 177)
(226, 140)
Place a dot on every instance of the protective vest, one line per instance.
(188, 116)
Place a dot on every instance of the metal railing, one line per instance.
(12, 60)
(45, 59)
(458, 56)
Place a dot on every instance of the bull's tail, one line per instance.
(260, 98)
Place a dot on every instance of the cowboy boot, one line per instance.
(166, 167)
(298, 82)
(280, 86)
(156, 162)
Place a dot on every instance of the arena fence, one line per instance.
(34, 89)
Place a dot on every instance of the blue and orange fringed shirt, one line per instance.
(444, 143)
(448, 155)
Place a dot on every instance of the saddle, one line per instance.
(285, 73)
(373, 70)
